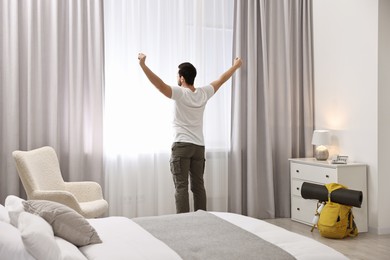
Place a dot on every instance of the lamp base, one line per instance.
(322, 153)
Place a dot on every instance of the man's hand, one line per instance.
(141, 58)
(237, 62)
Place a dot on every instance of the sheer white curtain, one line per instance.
(51, 86)
(137, 118)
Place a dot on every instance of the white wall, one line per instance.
(346, 89)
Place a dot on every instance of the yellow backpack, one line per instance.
(336, 220)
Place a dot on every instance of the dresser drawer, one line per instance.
(296, 185)
(303, 210)
(312, 173)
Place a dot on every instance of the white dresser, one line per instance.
(351, 175)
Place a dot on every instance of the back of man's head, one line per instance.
(188, 71)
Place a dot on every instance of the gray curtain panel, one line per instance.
(51, 86)
(272, 103)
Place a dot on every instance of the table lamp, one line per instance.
(321, 138)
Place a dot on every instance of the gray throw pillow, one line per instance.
(66, 222)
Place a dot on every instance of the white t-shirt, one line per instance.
(188, 113)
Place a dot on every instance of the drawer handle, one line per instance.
(327, 176)
(298, 209)
(297, 171)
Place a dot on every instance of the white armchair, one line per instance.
(40, 173)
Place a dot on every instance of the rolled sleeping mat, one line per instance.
(342, 196)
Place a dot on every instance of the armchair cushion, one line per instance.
(85, 190)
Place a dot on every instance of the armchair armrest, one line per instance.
(63, 197)
(85, 190)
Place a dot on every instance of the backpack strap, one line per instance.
(332, 187)
(320, 206)
(352, 225)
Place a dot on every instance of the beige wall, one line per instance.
(347, 91)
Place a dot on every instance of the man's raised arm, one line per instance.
(153, 78)
(227, 74)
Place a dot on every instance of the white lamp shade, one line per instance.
(321, 137)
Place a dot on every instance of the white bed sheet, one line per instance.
(124, 239)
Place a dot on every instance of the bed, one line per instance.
(48, 230)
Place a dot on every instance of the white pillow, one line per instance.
(4, 216)
(14, 206)
(68, 250)
(38, 237)
(11, 244)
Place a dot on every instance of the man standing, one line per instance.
(188, 150)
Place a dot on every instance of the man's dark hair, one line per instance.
(188, 71)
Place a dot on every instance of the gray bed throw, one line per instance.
(202, 235)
